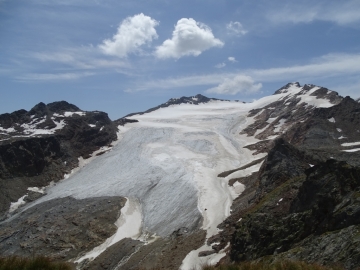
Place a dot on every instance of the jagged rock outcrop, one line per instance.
(323, 208)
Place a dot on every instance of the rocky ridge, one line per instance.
(42, 145)
(303, 202)
(197, 99)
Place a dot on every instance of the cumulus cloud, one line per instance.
(237, 84)
(232, 59)
(221, 65)
(188, 38)
(132, 33)
(235, 28)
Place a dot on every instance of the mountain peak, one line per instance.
(286, 88)
(61, 106)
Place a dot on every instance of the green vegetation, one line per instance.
(36, 263)
(283, 265)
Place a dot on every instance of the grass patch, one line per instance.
(36, 263)
(283, 265)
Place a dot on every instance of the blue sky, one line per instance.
(127, 56)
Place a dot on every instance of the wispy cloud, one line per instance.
(220, 65)
(53, 76)
(340, 12)
(235, 85)
(331, 65)
(188, 38)
(235, 28)
(232, 59)
(83, 58)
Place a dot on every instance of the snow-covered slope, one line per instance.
(168, 162)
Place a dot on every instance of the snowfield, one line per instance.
(168, 162)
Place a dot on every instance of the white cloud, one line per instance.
(235, 85)
(188, 38)
(232, 59)
(132, 33)
(340, 12)
(235, 28)
(221, 65)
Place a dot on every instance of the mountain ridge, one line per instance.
(258, 158)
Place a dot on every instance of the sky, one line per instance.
(128, 56)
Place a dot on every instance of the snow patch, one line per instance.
(36, 189)
(332, 120)
(7, 130)
(279, 125)
(15, 205)
(350, 144)
(352, 150)
(193, 261)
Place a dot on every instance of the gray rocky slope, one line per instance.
(302, 204)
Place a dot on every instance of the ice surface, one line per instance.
(332, 120)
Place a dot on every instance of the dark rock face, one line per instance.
(123, 121)
(62, 228)
(42, 145)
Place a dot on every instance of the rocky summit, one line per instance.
(190, 182)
